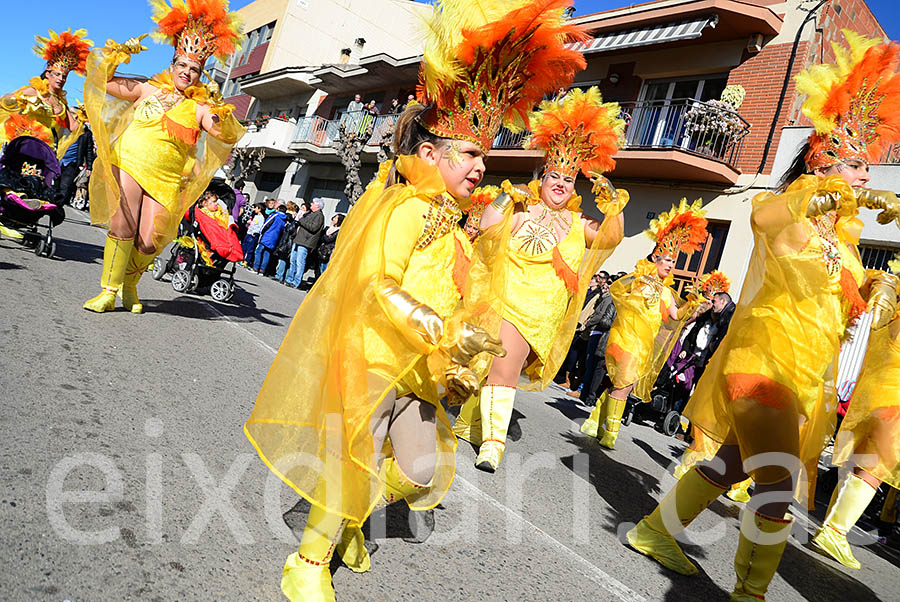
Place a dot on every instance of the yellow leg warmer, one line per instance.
(137, 265)
(614, 409)
(760, 547)
(592, 424)
(688, 459)
(306, 577)
(740, 492)
(849, 501)
(115, 257)
(496, 412)
(10, 233)
(468, 424)
(654, 535)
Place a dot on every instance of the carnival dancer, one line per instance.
(764, 391)
(40, 108)
(159, 142)
(545, 276)
(868, 442)
(644, 300)
(349, 414)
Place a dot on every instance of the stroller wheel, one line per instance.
(671, 423)
(41, 247)
(181, 281)
(51, 249)
(159, 269)
(220, 290)
(627, 415)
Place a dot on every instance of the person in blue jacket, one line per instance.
(268, 238)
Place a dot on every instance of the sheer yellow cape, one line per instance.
(109, 116)
(774, 368)
(35, 108)
(871, 428)
(311, 421)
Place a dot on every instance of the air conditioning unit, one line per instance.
(755, 43)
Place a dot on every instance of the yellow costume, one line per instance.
(394, 312)
(161, 146)
(545, 273)
(64, 52)
(768, 387)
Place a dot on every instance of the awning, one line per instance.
(654, 34)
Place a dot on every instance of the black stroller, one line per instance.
(28, 168)
(194, 267)
(664, 406)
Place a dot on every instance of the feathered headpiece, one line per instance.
(853, 104)
(713, 283)
(66, 51)
(488, 62)
(682, 229)
(197, 28)
(577, 131)
(22, 125)
(481, 197)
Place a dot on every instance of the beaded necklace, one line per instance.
(824, 227)
(443, 215)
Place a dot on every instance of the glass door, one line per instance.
(658, 119)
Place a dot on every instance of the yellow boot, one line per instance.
(352, 549)
(655, 534)
(740, 492)
(848, 502)
(590, 426)
(614, 409)
(496, 412)
(10, 233)
(468, 424)
(115, 257)
(137, 265)
(306, 576)
(688, 459)
(760, 547)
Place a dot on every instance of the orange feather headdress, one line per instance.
(481, 197)
(66, 51)
(680, 230)
(488, 62)
(22, 125)
(854, 104)
(577, 131)
(713, 283)
(197, 28)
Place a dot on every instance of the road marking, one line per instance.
(592, 571)
(237, 325)
(607, 581)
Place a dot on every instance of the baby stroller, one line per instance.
(201, 256)
(663, 407)
(27, 170)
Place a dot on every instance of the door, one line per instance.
(658, 119)
(687, 269)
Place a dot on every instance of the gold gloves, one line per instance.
(883, 299)
(467, 341)
(461, 384)
(420, 324)
(609, 199)
(122, 52)
(694, 300)
(823, 201)
(880, 199)
(133, 45)
(502, 201)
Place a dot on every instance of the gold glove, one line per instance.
(609, 199)
(821, 202)
(880, 199)
(883, 299)
(467, 341)
(694, 300)
(461, 384)
(419, 324)
(502, 201)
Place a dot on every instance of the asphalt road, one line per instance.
(126, 476)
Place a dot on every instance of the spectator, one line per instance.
(410, 99)
(270, 206)
(286, 243)
(329, 237)
(372, 109)
(240, 200)
(251, 239)
(573, 367)
(69, 168)
(268, 237)
(596, 289)
(356, 104)
(309, 230)
(395, 106)
(598, 325)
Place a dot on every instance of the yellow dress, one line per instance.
(871, 428)
(768, 387)
(537, 294)
(342, 354)
(154, 148)
(32, 115)
(642, 302)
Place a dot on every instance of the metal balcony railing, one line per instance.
(891, 155)
(707, 129)
(323, 133)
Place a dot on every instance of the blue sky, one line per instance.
(121, 19)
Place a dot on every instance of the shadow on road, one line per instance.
(242, 308)
(569, 408)
(816, 580)
(10, 266)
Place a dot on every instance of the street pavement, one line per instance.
(126, 475)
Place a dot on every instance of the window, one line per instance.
(705, 260)
(255, 38)
(876, 258)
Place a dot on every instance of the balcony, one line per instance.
(316, 136)
(272, 134)
(678, 139)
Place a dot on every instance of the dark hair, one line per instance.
(340, 218)
(408, 136)
(797, 168)
(239, 184)
(260, 206)
(207, 195)
(726, 295)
